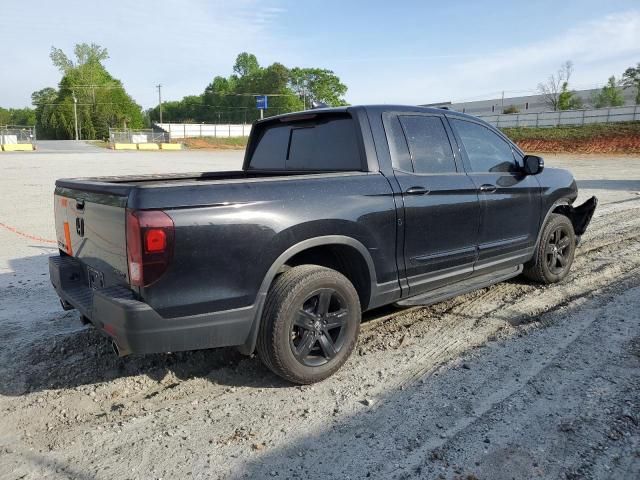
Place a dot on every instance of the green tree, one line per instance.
(5, 116)
(101, 99)
(17, 116)
(555, 85)
(511, 109)
(44, 101)
(567, 99)
(631, 79)
(609, 96)
(246, 65)
(232, 99)
(318, 85)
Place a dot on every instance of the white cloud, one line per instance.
(598, 48)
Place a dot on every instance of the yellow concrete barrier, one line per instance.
(171, 146)
(17, 147)
(125, 146)
(148, 146)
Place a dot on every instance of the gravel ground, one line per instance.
(511, 381)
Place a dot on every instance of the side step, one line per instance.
(460, 288)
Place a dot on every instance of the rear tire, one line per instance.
(310, 324)
(554, 253)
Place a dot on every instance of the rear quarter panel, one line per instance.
(235, 230)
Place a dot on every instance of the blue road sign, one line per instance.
(261, 102)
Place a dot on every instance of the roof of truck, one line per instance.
(374, 108)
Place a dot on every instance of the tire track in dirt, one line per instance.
(474, 318)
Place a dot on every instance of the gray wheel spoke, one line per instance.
(562, 259)
(324, 299)
(563, 243)
(306, 344)
(304, 320)
(336, 319)
(327, 346)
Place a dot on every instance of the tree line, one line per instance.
(88, 98)
(232, 99)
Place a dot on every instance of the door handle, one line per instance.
(488, 188)
(417, 191)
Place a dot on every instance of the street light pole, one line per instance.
(75, 112)
(159, 87)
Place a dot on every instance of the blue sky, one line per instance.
(386, 52)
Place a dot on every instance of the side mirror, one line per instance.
(533, 164)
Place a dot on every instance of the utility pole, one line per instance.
(75, 112)
(503, 101)
(159, 87)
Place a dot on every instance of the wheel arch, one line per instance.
(556, 207)
(364, 273)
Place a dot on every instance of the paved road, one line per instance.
(66, 146)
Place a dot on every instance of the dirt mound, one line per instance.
(617, 144)
(211, 143)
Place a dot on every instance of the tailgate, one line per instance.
(91, 227)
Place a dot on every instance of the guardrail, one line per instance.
(564, 117)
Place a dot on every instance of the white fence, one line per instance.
(137, 136)
(564, 117)
(15, 134)
(192, 130)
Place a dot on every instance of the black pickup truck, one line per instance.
(335, 211)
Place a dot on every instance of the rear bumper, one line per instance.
(134, 326)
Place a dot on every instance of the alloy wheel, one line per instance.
(317, 331)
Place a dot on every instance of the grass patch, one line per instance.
(574, 132)
(216, 143)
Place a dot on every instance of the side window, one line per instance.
(429, 145)
(487, 152)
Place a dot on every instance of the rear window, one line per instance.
(324, 143)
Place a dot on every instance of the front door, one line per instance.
(441, 207)
(509, 199)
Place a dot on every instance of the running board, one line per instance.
(460, 288)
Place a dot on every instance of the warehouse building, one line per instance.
(525, 104)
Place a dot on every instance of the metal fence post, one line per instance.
(229, 130)
(215, 130)
(537, 118)
(184, 130)
(608, 113)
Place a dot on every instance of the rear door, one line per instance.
(441, 207)
(509, 199)
(92, 228)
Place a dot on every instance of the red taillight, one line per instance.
(155, 240)
(150, 236)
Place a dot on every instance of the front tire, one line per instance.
(554, 254)
(310, 324)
